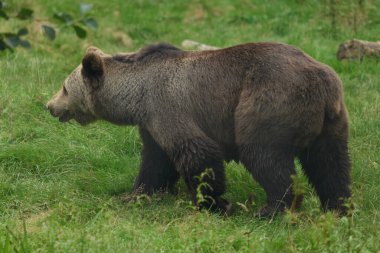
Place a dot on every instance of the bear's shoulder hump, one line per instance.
(151, 52)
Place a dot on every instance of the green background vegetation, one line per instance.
(61, 184)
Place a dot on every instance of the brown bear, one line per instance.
(262, 104)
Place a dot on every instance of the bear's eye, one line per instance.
(64, 90)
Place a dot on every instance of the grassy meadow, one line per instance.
(61, 185)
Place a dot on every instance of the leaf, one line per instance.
(25, 44)
(23, 31)
(2, 45)
(63, 17)
(25, 13)
(49, 32)
(81, 33)
(84, 8)
(90, 22)
(12, 40)
(3, 14)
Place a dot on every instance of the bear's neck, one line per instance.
(121, 103)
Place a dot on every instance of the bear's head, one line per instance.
(74, 99)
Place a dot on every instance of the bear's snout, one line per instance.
(56, 111)
(50, 107)
(53, 113)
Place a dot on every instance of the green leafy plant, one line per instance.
(11, 40)
(78, 24)
(203, 185)
(63, 20)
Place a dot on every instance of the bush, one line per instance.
(60, 20)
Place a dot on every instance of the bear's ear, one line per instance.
(92, 64)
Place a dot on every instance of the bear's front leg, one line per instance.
(200, 163)
(157, 172)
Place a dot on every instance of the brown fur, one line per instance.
(260, 103)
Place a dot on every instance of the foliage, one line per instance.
(203, 186)
(15, 242)
(77, 24)
(12, 40)
(352, 13)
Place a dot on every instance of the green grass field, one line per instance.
(61, 184)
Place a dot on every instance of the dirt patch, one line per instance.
(33, 222)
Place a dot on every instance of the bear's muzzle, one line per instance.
(64, 115)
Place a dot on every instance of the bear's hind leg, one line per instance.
(326, 162)
(272, 168)
(157, 172)
(200, 163)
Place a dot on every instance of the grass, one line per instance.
(60, 183)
